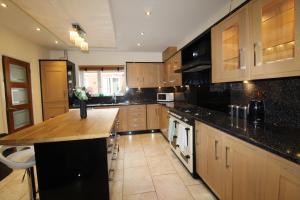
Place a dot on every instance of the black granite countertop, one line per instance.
(284, 142)
(125, 103)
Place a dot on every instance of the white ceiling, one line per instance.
(116, 24)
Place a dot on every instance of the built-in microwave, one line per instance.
(165, 96)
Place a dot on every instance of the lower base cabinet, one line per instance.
(236, 170)
(164, 120)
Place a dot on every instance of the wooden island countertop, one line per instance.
(66, 127)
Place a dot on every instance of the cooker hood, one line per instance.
(196, 56)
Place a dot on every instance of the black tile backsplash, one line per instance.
(281, 97)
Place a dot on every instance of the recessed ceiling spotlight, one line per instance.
(38, 29)
(148, 13)
(56, 42)
(3, 5)
(142, 33)
(139, 44)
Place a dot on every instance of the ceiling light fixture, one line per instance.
(78, 37)
(148, 13)
(3, 5)
(38, 29)
(139, 44)
(142, 33)
(56, 42)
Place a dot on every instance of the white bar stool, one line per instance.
(20, 157)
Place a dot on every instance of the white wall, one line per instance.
(14, 46)
(97, 57)
(211, 20)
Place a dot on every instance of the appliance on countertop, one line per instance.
(165, 97)
(256, 111)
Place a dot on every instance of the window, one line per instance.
(103, 82)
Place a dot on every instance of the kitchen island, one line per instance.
(71, 154)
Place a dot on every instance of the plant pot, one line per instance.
(83, 108)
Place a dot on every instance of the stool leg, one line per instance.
(31, 182)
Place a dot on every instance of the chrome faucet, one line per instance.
(114, 97)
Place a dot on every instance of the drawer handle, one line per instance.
(227, 151)
(216, 149)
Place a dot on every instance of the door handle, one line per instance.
(216, 149)
(242, 58)
(257, 60)
(187, 136)
(12, 109)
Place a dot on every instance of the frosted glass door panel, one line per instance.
(19, 96)
(21, 118)
(17, 74)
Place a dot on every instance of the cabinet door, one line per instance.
(230, 48)
(175, 78)
(150, 73)
(153, 116)
(201, 151)
(282, 180)
(164, 120)
(134, 76)
(243, 168)
(214, 160)
(275, 31)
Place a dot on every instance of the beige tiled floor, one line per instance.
(146, 169)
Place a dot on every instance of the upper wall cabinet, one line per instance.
(143, 75)
(260, 40)
(275, 37)
(170, 77)
(230, 48)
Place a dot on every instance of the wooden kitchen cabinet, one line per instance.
(242, 168)
(54, 86)
(211, 154)
(275, 37)
(122, 119)
(259, 41)
(230, 48)
(164, 120)
(143, 75)
(170, 77)
(237, 170)
(153, 116)
(136, 117)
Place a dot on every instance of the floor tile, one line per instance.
(143, 196)
(135, 162)
(116, 190)
(153, 150)
(184, 173)
(137, 180)
(160, 165)
(200, 192)
(171, 187)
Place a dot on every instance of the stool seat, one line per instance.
(21, 157)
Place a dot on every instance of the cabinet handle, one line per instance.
(143, 80)
(226, 152)
(216, 149)
(257, 60)
(242, 59)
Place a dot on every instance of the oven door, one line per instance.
(172, 130)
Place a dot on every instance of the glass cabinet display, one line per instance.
(275, 38)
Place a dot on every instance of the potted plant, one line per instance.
(82, 96)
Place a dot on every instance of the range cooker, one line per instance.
(181, 132)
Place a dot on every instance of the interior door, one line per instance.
(18, 94)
